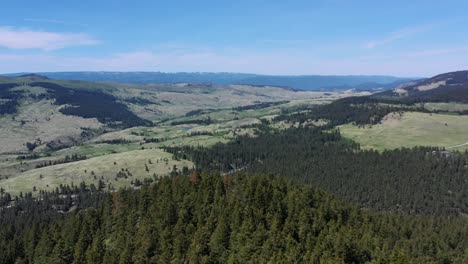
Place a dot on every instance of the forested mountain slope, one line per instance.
(447, 87)
(371, 109)
(222, 219)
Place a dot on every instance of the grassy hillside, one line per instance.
(170, 101)
(411, 129)
(446, 107)
(41, 122)
(132, 165)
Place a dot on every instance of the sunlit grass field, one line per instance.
(410, 130)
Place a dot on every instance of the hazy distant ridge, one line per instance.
(303, 82)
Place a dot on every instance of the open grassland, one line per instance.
(167, 133)
(105, 168)
(170, 101)
(411, 129)
(40, 121)
(448, 107)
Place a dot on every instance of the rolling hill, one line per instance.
(447, 87)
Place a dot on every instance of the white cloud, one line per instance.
(399, 34)
(18, 38)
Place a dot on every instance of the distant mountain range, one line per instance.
(300, 82)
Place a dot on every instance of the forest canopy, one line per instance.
(223, 219)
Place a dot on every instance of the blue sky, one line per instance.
(404, 38)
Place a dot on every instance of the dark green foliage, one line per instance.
(453, 88)
(67, 159)
(5, 92)
(442, 94)
(28, 157)
(358, 110)
(198, 112)
(215, 219)
(200, 133)
(93, 104)
(9, 106)
(153, 140)
(205, 121)
(447, 94)
(31, 146)
(259, 105)
(116, 141)
(408, 180)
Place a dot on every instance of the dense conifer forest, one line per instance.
(451, 87)
(445, 94)
(458, 93)
(358, 110)
(418, 180)
(9, 104)
(220, 219)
